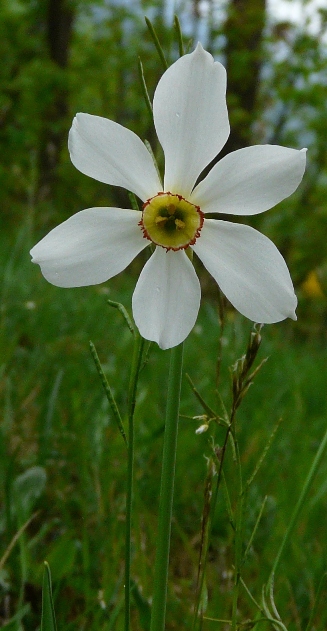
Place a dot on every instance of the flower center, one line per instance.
(171, 221)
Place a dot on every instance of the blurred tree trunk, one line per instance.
(60, 19)
(244, 29)
(59, 22)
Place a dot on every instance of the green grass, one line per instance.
(63, 459)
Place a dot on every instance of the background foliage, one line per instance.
(62, 459)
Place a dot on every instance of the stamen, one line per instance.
(172, 222)
(160, 219)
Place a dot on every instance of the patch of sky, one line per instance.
(198, 19)
(304, 13)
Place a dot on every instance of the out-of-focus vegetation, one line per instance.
(62, 459)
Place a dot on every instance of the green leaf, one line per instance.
(179, 36)
(48, 620)
(27, 488)
(108, 391)
(122, 310)
(157, 43)
(143, 607)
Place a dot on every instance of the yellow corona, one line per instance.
(171, 221)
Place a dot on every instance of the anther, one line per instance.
(160, 219)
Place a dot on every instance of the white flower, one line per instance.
(191, 120)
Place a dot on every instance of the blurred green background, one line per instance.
(62, 459)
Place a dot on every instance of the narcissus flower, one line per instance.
(191, 120)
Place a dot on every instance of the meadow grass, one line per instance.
(63, 460)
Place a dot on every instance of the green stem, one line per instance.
(145, 89)
(156, 43)
(298, 507)
(135, 369)
(167, 490)
(179, 36)
(238, 537)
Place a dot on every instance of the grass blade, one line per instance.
(157, 43)
(48, 620)
(122, 310)
(145, 89)
(322, 585)
(107, 389)
(299, 505)
(179, 36)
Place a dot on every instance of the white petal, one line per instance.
(190, 116)
(112, 154)
(90, 247)
(251, 180)
(167, 297)
(249, 270)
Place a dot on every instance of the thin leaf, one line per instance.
(122, 310)
(133, 200)
(255, 528)
(264, 453)
(223, 407)
(146, 354)
(298, 507)
(48, 620)
(201, 587)
(179, 36)
(206, 407)
(322, 584)
(142, 605)
(227, 500)
(149, 148)
(250, 595)
(107, 389)
(157, 43)
(15, 538)
(144, 88)
(277, 624)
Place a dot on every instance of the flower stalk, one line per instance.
(167, 490)
(135, 369)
